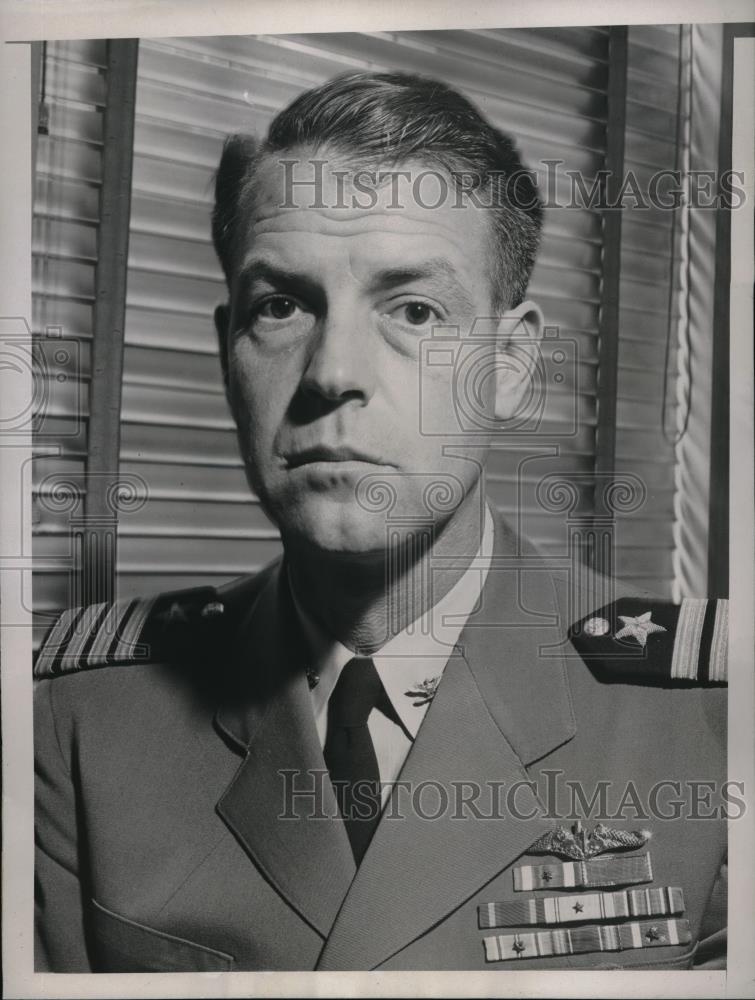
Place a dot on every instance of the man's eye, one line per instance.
(279, 307)
(417, 313)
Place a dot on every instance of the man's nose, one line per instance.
(340, 366)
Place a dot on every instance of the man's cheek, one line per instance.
(437, 415)
(251, 399)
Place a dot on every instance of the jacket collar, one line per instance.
(514, 642)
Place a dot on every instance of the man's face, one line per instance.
(327, 313)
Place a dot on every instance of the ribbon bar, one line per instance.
(579, 940)
(593, 873)
(550, 910)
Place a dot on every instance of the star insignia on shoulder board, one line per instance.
(638, 628)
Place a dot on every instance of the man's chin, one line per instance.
(335, 529)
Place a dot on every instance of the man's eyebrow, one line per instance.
(280, 279)
(258, 269)
(434, 268)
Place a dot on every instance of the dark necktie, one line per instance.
(349, 752)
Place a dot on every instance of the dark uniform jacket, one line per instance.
(167, 841)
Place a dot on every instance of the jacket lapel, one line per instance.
(516, 645)
(308, 860)
(503, 702)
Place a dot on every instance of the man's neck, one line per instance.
(366, 601)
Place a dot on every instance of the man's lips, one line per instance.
(324, 453)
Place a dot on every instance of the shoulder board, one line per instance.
(651, 641)
(131, 631)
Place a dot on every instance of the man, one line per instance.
(411, 743)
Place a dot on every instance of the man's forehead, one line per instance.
(305, 201)
(348, 188)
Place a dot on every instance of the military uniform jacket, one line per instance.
(167, 840)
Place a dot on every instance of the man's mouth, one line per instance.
(326, 453)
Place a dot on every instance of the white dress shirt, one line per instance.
(417, 654)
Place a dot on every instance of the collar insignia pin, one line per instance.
(313, 679)
(578, 844)
(424, 691)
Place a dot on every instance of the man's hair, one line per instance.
(393, 118)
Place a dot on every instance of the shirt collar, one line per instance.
(416, 655)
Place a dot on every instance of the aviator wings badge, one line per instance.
(577, 844)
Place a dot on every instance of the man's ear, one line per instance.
(222, 320)
(519, 333)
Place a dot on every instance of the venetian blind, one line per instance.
(653, 380)
(64, 248)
